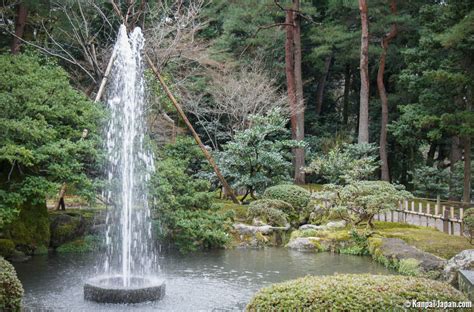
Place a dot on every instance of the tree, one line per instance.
(364, 75)
(360, 201)
(20, 22)
(258, 157)
(42, 123)
(383, 95)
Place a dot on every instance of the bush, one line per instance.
(87, 244)
(294, 195)
(7, 247)
(469, 223)
(191, 230)
(270, 211)
(351, 292)
(11, 289)
(360, 201)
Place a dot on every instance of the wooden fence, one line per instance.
(446, 216)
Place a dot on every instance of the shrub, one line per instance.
(469, 223)
(183, 211)
(268, 211)
(360, 201)
(351, 292)
(11, 289)
(7, 247)
(192, 230)
(409, 266)
(294, 195)
(87, 244)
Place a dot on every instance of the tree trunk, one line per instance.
(322, 85)
(347, 90)
(385, 173)
(206, 153)
(298, 77)
(455, 155)
(467, 171)
(364, 75)
(20, 22)
(431, 154)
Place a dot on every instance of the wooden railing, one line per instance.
(447, 216)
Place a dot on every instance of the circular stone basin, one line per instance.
(109, 289)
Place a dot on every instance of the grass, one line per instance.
(425, 238)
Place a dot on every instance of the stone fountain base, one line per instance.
(109, 290)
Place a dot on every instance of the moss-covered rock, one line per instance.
(86, 244)
(31, 229)
(294, 195)
(7, 247)
(11, 290)
(66, 227)
(351, 292)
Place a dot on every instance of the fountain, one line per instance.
(129, 262)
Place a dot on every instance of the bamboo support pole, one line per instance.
(194, 133)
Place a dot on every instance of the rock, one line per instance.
(462, 261)
(245, 229)
(329, 226)
(258, 222)
(396, 248)
(304, 243)
(98, 229)
(335, 224)
(66, 227)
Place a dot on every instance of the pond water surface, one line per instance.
(222, 280)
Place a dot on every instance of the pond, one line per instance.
(221, 280)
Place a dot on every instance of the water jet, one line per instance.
(127, 275)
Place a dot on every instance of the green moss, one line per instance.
(7, 247)
(11, 290)
(351, 292)
(424, 238)
(31, 228)
(87, 244)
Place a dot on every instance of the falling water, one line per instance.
(128, 234)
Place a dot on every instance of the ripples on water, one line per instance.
(222, 280)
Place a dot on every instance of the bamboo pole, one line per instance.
(194, 133)
(105, 78)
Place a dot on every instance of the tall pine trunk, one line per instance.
(20, 22)
(385, 172)
(364, 75)
(322, 84)
(298, 77)
(347, 90)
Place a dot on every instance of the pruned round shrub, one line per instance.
(11, 289)
(351, 292)
(7, 247)
(294, 195)
(270, 211)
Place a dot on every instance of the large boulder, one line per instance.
(462, 261)
(305, 243)
(66, 227)
(329, 226)
(395, 251)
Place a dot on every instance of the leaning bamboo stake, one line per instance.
(194, 133)
(105, 78)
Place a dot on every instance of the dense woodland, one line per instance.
(311, 91)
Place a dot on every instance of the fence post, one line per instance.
(461, 219)
(445, 219)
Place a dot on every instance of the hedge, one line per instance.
(351, 292)
(11, 290)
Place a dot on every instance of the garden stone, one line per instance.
(462, 261)
(303, 243)
(335, 224)
(245, 229)
(396, 248)
(329, 226)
